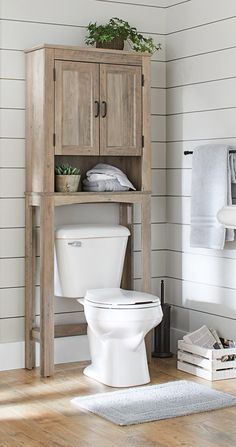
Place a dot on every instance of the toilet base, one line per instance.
(91, 372)
(116, 364)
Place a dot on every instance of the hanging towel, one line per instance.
(232, 164)
(212, 172)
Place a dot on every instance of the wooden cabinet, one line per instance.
(98, 109)
(83, 106)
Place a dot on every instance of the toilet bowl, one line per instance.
(118, 321)
(88, 266)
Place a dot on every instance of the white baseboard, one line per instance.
(68, 349)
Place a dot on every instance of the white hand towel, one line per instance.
(113, 172)
(99, 177)
(211, 191)
(232, 163)
(103, 185)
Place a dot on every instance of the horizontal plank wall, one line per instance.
(160, 4)
(200, 108)
(25, 24)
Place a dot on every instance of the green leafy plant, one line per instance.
(66, 170)
(120, 29)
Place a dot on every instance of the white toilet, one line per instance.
(89, 264)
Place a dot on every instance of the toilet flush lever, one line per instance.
(75, 244)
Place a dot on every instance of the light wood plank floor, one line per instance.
(37, 412)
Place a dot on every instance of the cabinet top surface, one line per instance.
(86, 49)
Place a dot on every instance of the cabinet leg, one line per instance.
(146, 244)
(146, 258)
(47, 286)
(126, 219)
(30, 247)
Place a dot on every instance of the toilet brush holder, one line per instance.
(162, 332)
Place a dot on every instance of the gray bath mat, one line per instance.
(154, 402)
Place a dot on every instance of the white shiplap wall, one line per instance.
(159, 4)
(26, 23)
(201, 108)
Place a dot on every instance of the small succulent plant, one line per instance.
(66, 170)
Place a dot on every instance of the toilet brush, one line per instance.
(162, 331)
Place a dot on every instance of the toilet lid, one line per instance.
(120, 298)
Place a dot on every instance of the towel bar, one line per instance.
(191, 152)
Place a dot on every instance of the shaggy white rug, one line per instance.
(154, 402)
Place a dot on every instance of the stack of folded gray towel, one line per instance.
(104, 177)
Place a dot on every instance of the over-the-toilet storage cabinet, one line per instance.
(98, 109)
(84, 106)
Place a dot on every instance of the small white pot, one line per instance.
(67, 183)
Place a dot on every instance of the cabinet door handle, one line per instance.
(104, 104)
(97, 105)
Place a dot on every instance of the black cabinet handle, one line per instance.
(97, 109)
(104, 104)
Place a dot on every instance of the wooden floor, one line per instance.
(37, 412)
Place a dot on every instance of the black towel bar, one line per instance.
(191, 152)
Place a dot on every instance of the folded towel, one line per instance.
(112, 172)
(211, 191)
(103, 185)
(98, 177)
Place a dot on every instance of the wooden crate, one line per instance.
(205, 363)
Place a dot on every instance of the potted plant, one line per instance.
(114, 33)
(67, 178)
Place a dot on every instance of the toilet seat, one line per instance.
(116, 298)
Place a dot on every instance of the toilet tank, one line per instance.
(88, 257)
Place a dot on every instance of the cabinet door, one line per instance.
(76, 108)
(121, 110)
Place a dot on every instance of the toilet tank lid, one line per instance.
(116, 297)
(87, 231)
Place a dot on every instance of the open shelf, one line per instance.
(130, 165)
(61, 198)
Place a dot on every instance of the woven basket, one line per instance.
(115, 44)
